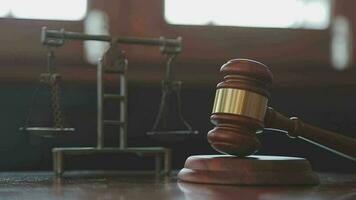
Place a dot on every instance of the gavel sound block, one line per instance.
(240, 111)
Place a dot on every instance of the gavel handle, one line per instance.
(337, 143)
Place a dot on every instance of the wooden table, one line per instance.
(101, 185)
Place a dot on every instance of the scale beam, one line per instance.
(48, 35)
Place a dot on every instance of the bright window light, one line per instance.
(71, 10)
(96, 23)
(5, 6)
(309, 14)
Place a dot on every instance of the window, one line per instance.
(341, 43)
(71, 10)
(308, 14)
(96, 23)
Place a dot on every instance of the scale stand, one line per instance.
(170, 124)
(113, 62)
(53, 80)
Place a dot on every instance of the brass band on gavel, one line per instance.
(240, 102)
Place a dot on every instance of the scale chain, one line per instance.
(56, 107)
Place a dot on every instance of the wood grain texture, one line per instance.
(335, 142)
(94, 185)
(252, 170)
(236, 134)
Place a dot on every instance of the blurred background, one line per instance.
(308, 45)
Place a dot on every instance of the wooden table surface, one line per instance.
(100, 185)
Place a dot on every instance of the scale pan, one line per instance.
(171, 136)
(47, 131)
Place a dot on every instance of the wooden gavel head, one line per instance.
(239, 107)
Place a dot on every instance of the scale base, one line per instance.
(157, 152)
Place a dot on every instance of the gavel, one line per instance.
(240, 111)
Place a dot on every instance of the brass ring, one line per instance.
(240, 102)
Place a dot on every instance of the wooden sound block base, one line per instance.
(252, 170)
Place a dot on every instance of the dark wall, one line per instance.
(329, 107)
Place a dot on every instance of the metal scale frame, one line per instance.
(113, 61)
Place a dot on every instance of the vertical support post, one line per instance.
(167, 162)
(123, 110)
(57, 162)
(100, 137)
(158, 161)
